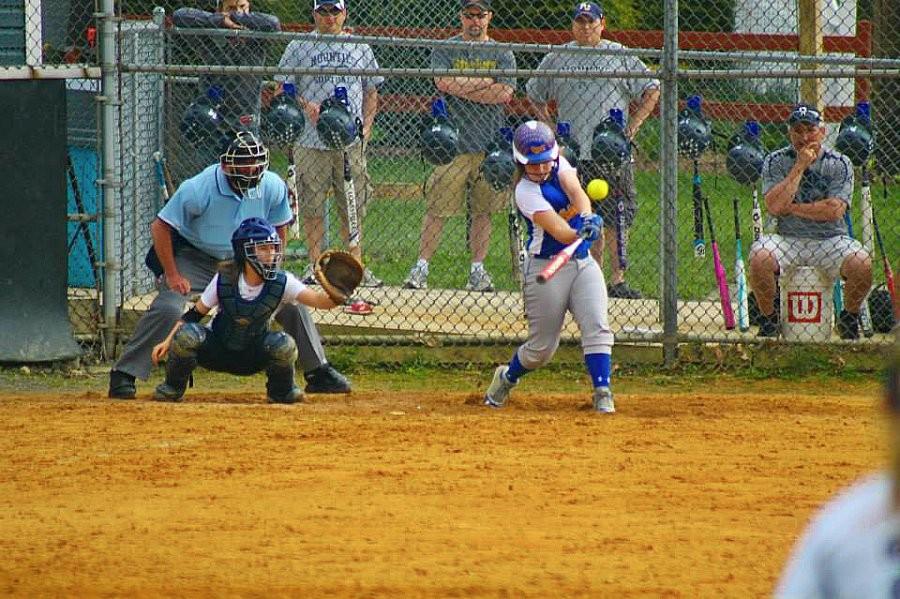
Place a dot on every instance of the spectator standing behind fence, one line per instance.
(321, 170)
(851, 547)
(585, 103)
(475, 106)
(192, 234)
(240, 93)
(808, 187)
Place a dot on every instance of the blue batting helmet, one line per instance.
(534, 142)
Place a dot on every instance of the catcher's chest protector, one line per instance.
(240, 321)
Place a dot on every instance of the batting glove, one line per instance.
(591, 228)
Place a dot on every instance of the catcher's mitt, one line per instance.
(339, 274)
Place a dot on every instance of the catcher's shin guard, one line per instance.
(182, 362)
(282, 352)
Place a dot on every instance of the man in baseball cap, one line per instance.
(333, 4)
(808, 186)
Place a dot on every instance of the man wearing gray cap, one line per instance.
(808, 187)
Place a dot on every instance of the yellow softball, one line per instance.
(597, 189)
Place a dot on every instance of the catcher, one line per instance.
(248, 292)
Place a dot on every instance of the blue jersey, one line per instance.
(534, 197)
(206, 210)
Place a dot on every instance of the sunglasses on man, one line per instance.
(329, 12)
(475, 16)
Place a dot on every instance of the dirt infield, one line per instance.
(400, 494)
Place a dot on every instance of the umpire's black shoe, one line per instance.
(623, 291)
(325, 379)
(768, 325)
(848, 325)
(121, 385)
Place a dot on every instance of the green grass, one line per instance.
(392, 231)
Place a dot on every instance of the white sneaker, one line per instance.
(418, 277)
(370, 280)
(498, 391)
(603, 400)
(479, 280)
(308, 277)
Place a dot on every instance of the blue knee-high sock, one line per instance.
(516, 370)
(600, 367)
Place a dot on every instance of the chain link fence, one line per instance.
(436, 235)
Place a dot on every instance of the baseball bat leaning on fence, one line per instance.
(888, 271)
(864, 316)
(558, 261)
(740, 276)
(721, 277)
(159, 164)
(621, 250)
(516, 247)
(292, 194)
(756, 215)
(82, 224)
(699, 243)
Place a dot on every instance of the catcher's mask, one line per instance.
(245, 162)
(745, 156)
(855, 139)
(336, 127)
(694, 131)
(257, 243)
(440, 139)
(201, 123)
(283, 122)
(610, 148)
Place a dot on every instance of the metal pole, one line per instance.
(109, 182)
(669, 184)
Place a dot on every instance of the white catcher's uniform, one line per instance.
(851, 549)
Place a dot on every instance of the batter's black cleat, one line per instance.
(121, 385)
(167, 392)
(295, 395)
(623, 291)
(325, 379)
(848, 325)
(768, 326)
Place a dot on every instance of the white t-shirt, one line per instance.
(292, 288)
(850, 549)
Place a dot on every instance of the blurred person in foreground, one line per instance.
(852, 546)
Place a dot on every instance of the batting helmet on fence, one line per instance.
(534, 142)
(283, 122)
(245, 161)
(694, 131)
(498, 168)
(250, 234)
(855, 139)
(336, 127)
(745, 154)
(610, 148)
(440, 139)
(201, 123)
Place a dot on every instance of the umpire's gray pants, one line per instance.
(167, 308)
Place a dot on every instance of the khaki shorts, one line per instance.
(321, 172)
(445, 190)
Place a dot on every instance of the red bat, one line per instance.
(558, 261)
(886, 266)
(721, 277)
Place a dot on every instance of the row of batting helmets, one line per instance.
(282, 122)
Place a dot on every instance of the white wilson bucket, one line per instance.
(807, 312)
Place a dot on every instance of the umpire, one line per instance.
(192, 234)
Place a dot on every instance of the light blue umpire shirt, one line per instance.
(206, 210)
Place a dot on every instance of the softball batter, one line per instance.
(557, 212)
